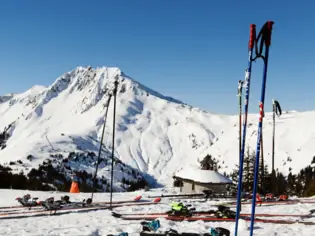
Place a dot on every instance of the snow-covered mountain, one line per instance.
(154, 134)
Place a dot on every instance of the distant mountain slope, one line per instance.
(154, 133)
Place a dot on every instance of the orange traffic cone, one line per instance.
(74, 187)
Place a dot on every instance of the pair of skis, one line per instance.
(205, 195)
(58, 209)
(192, 195)
(273, 202)
(213, 232)
(27, 202)
(265, 39)
(201, 213)
(211, 218)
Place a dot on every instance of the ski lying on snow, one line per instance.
(179, 195)
(205, 218)
(211, 212)
(288, 202)
(147, 233)
(68, 209)
(201, 213)
(18, 208)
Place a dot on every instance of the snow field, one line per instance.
(102, 223)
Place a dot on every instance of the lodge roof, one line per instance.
(196, 174)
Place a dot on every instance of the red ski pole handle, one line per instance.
(252, 36)
(269, 29)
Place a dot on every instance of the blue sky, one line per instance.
(195, 51)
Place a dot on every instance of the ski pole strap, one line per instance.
(264, 36)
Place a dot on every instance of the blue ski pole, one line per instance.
(265, 35)
(252, 36)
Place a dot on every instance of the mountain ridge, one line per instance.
(155, 134)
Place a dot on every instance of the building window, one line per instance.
(193, 187)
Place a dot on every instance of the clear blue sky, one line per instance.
(195, 51)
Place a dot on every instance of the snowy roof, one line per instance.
(196, 174)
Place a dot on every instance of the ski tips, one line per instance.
(137, 198)
(312, 211)
(116, 215)
(158, 199)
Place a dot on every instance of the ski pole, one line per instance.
(113, 142)
(239, 94)
(276, 109)
(265, 35)
(262, 179)
(101, 144)
(252, 36)
(273, 133)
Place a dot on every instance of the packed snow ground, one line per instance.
(102, 223)
(154, 133)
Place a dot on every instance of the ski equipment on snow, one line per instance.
(26, 202)
(222, 212)
(179, 195)
(154, 225)
(65, 201)
(178, 208)
(171, 232)
(121, 234)
(207, 218)
(51, 207)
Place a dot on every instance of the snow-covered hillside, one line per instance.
(155, 134)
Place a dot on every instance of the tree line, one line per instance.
(275, 182)
(301, 184)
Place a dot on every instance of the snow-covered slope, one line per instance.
(154, 133)
(295, 137)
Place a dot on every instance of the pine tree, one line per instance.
(310, 188)
(209, 163)
(267, 183)
(233, 186)
(263, 180)
(302, 184)
(272, 184)
(281, 183)
(249, 171)
(291, 184)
